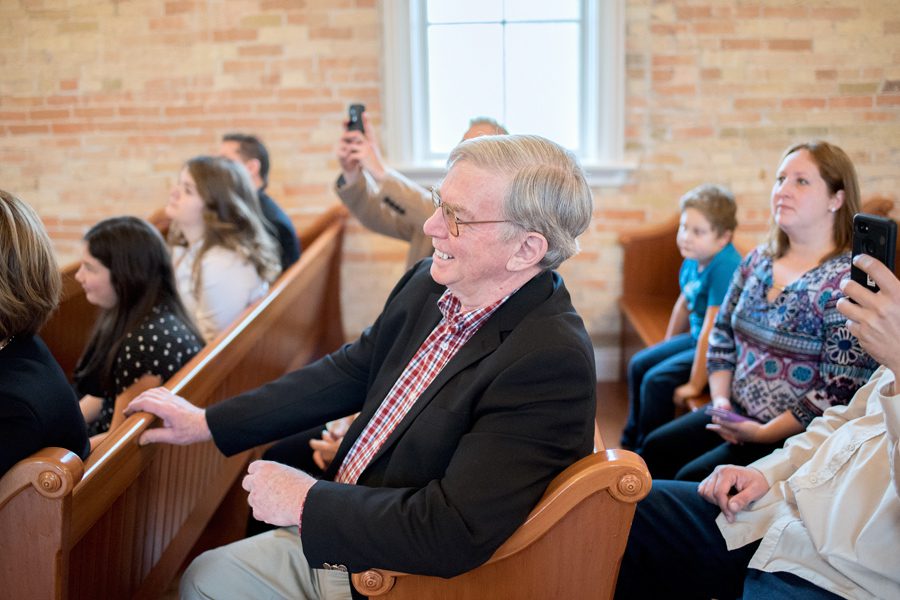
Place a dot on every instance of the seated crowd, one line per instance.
(422, 445)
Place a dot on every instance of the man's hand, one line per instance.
(357, 150)
(183, 423)
(326, 448)
(875, 318)
(277, 492)
(717, 488)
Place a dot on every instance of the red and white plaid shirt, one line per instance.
(454, 330)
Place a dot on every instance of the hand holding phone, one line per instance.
(355, 121)
(725, 415)
(877, 237)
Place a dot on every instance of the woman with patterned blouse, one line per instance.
(143, 327)
(780, 353)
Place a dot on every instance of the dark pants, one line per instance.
(685, 450)
(653, 375)
(675, 550)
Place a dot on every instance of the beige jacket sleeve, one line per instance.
(398, 208)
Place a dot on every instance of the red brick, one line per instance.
(68, 84)
(662, 75)
(891, 27)
(850, 102)
(826, 74)
(235, 35)
(755, 103)
(261, 50)
(49, 114)
(139, 111)
(668, 29)
(183, 111)
(789, 45)
(180, 7)
(879, 116)
(330, 33)
(93, 113)
(714, 27)
(666, 60)
(13, 116)
(888, 100)
(785, 12)
(687, 13)
(835, 13)
(677, 90)
(26, 129)
(740, 44)
(689, 133)
(710, 74)
(803, 103)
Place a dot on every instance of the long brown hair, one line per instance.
(141, 274)
(839, 174)
(231, 215)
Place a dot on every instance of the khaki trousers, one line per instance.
(266, 566)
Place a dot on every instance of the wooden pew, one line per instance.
(121, 524)
(570, 546)
(68, 330)
(650, 265)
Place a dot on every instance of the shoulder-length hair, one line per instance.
(141, 274)
(839, 174)
(30, 283)
(232, 217)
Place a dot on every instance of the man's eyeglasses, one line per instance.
(450, 217)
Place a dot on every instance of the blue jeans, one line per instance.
(653, 375)
(675, 550)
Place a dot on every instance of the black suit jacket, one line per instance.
(38, 407)
(472, 457)
(281, 229)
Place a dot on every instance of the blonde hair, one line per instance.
(30, 283)
(547, 191)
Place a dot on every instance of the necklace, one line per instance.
(6, 342)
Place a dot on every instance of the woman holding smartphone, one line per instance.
(780, 353)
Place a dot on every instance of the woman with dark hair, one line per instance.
(37, 406)
(224, 259)
(780, 352)
(143, 326)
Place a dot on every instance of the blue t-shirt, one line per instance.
(706, 288)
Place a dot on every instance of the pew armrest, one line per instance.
(53, 472)
(573, 539)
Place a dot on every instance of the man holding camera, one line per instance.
(382, 198)
(475, 388)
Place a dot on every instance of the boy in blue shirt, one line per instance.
(660, 374)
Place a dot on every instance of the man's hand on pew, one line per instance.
(277, 492)
(183, 423)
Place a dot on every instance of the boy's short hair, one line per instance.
(717, 204)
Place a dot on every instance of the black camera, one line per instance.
(355, 122)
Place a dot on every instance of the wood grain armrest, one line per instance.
(620, 473)
(53, 472)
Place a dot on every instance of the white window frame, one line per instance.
(603, 99)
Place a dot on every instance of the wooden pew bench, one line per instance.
(650, 266)
(570, 546)
(121, 524)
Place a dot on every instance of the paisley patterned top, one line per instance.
(794, 353)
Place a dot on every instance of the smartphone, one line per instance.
(355, 123)
(877, 237)
(725, 415)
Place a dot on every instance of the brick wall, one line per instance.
(102, 101)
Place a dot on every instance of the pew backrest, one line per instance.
(121, 524)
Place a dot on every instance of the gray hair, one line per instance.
(547, 192)
(488, 121)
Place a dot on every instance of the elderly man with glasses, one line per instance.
(475, 387)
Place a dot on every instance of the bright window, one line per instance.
(549, 68)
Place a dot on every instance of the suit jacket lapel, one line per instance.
(485, 341)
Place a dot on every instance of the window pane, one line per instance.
(465, 79)
(533, 10)
(543, 81)
(464, 11)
